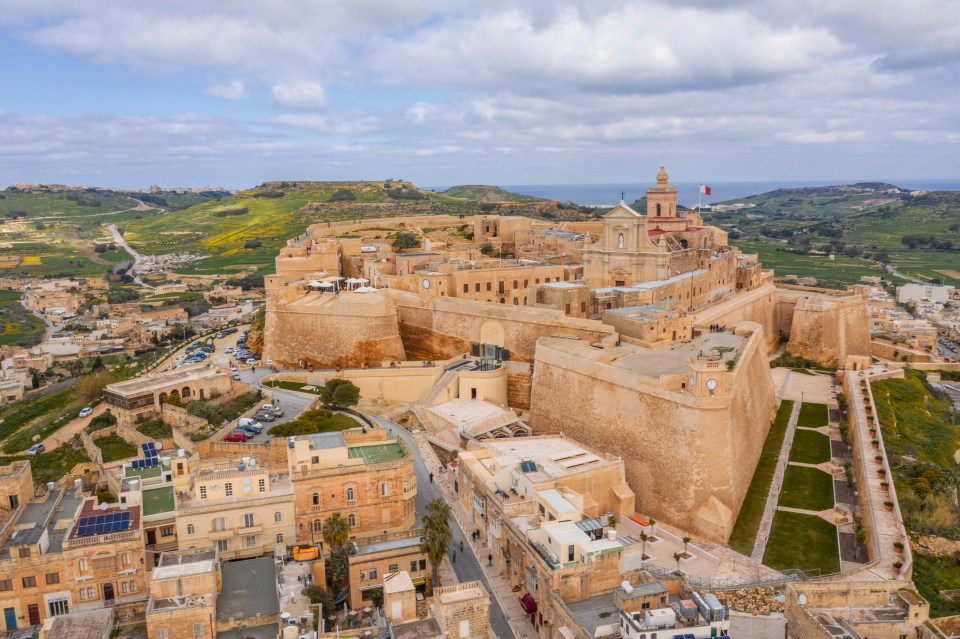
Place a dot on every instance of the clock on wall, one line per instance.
(425, 283)
(711, 384)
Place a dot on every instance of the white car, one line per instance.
(86, 412)
(229, 349)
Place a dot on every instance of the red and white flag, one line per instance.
(705, 189)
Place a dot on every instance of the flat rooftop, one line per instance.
(158, 500)
(377, 453)
(198, 565)
(93, 624)
(268, 631)
(598, 616)
(392, 544)
(249, 588)
(674, 360)
(554, 456)
(324, 441)
(469, 411)
(279, 485)
(464, 594)
(422, 629)
(178, 376)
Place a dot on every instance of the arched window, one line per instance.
(316, 499)
(352, 520)
(186, 391)
(516, 301)
(351, 494)
(658, 210)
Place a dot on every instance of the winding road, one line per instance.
(137, 257)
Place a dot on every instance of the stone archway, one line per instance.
(492, 333)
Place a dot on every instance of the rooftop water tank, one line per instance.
(627, 588)
(612, 534)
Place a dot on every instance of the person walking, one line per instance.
(461, 545)
(453, 557)
(431, 478)
(490, 560)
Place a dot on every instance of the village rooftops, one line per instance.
(541, 459)
(178, 377)
(177, 565)
(674, 360)
(53, 514)
(384, 542)
(280, 486)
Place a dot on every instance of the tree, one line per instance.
(486, 248)
(90, 387)
(686, 540)
(335, 531)
(337, 568)
(340, 392)
(437, 535)
(406, 240)
(677, 557)
(34, 378)
(644, 537)
(653, 528)
(377, 597)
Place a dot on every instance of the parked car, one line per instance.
(247, 421)
(86, 412)
(270, 408)
(229, 349)
(265, 416)
(36, 449)
(235, 377)
(252, 429)
(253, 361)
(237, 436)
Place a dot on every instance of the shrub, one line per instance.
(270, 193)
(101, 421)
(406, 240)
(242, 210)
(340, 392)
(343, 195)
(252, 244)
(155, 429)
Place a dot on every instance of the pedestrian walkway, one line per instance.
(499, 586)
(760, 545)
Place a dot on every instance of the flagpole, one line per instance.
(699, 197)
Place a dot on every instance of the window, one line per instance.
(351, 494)
(316, 499)
(279, 538)
(24, 552)
(166, 532)
(277, 517)
(477, 288)
(125, 559)
(222, 545)
(162, 633)
(83, 565)
(228, 489)
(100, 564)
(352, 521)
(58, 607)
(423, 564)
(413, 566)
(198, 631)
(203, 492)
(488, 286)
(219, 523)
(464, 628)
(125, 586)
(536, 281)
(133, 586)
(6, 584)
(191, 529)
(30, 582)
(53, 578)
(317, 526)
(262, 485)
(373, 573)
(248, 520)
(466, 288)
(393, 568)
(251, 541)
(384, 489)
(314, 460)
(570, 553)
(526, 283)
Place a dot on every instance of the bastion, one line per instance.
(324, 330)
(689, 420)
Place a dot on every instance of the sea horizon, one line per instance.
(688, 192)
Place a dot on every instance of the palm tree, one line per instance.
(686, 540)
(677, 557)
(653, 528)
(437, 535)
(335, 531)
(643, 540)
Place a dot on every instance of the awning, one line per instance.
(528, 603)
(419, 581)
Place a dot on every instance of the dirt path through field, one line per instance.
(72, 428)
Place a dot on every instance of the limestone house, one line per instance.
(461, 610)
(365, 477)
(238, 507)
(143, 396)
(882, 609)
(375, 560)
(10, 390)
(65, 553)
(183, 595)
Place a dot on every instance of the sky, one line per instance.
(233, 93)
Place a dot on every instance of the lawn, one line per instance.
(810, 447)
(802, 541)
(751, 511)
(294, 386)
(812, 415)
(914, 422)
(114, 447)
(933, 574)
(807, 488)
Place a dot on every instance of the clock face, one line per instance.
(711, 384)
(425, 283)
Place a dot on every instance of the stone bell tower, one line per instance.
(662, 198)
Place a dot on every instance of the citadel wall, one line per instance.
(827, 329)
(688, 459)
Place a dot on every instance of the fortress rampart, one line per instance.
(689, 458)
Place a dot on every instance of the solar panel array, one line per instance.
(150, 457)
(528, 466)
(101, 524)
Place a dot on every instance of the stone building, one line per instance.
(141, 397)
(368, 480)
(183, 594)
(373, 560)
(463, 610)
(878, 609)
(64, 554)
(237, 507)
(10, 390)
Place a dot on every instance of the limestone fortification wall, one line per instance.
(446, 323)
(826, 329)
(688, 459)
(758, 305)
(344, 333)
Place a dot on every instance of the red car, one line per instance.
(236, 436)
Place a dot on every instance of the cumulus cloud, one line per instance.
(233, 90)
(302, 95)
(349, 125)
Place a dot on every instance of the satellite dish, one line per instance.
(104, 506)
(158, 445)
(802, 599)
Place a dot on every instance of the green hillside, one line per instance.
(483, 193)
(918, 234)
(246, 230)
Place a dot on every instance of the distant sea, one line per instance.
(687, 192)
